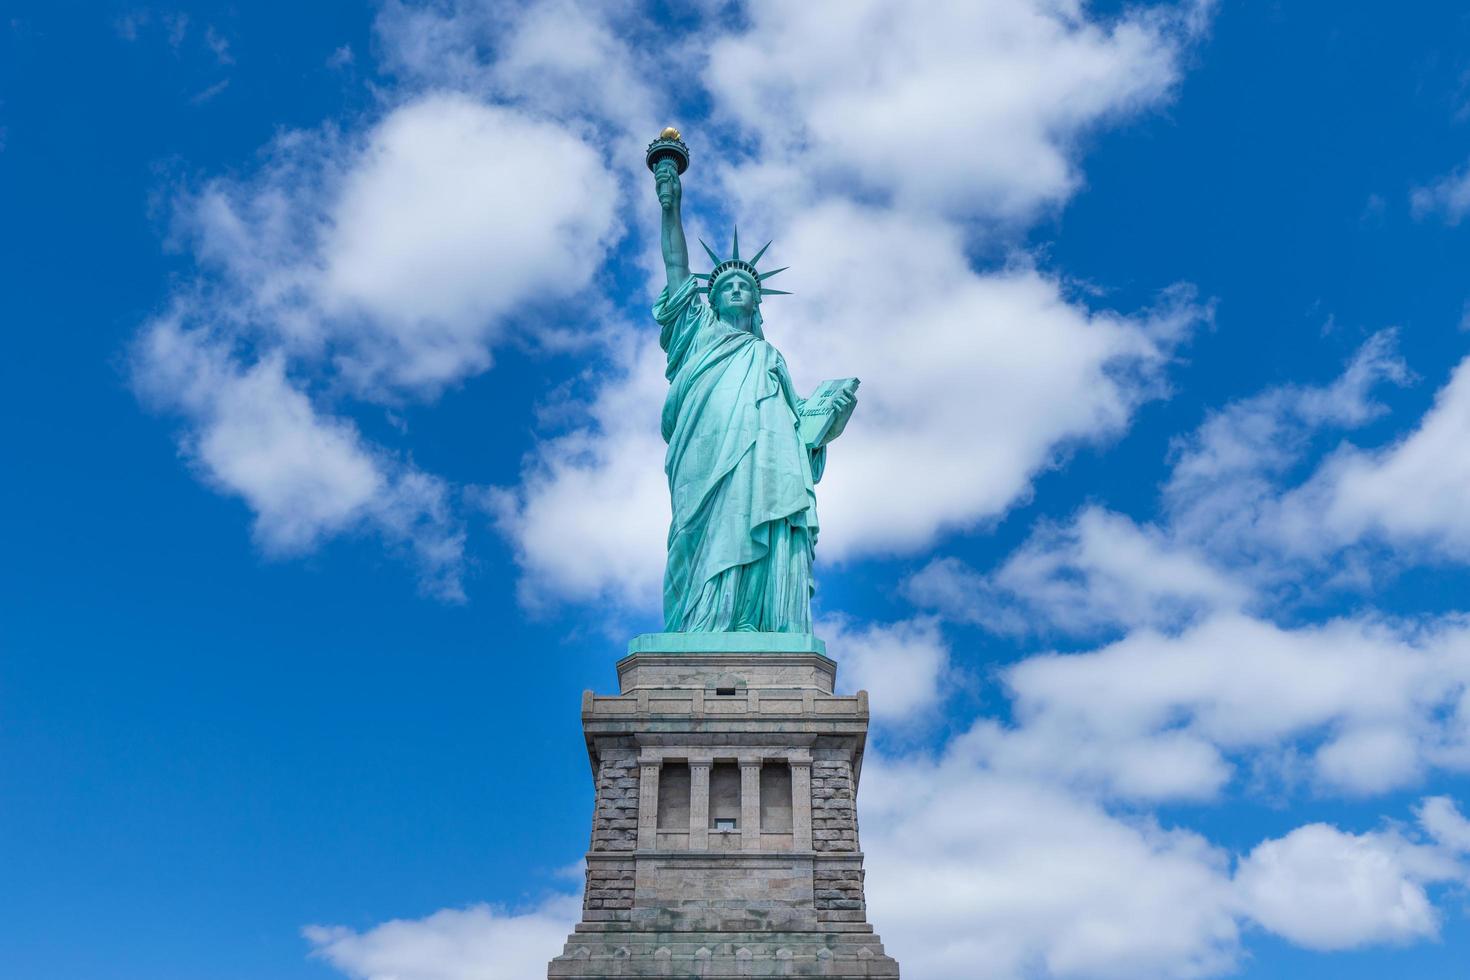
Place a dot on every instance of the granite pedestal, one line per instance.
(725, 836)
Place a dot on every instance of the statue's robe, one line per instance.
(740, 478)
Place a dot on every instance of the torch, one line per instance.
(668, 146)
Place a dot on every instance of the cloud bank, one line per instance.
(476, 943)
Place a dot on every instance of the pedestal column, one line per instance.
(648, 770)
(699, 804)
(750, 804)
(801, 804)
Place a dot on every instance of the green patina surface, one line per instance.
(726, 642)
(742, 478)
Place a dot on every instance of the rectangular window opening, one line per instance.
(776, 797)
(724, 796)
(673, 796)
(725, 692)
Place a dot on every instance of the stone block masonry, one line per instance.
(754, 871)
(834, 807)
(609, 888)
(615, 823)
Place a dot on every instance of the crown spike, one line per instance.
(735, 246)
(767, 275)
(758, 255)
(774, 292)
(700, 275)
(712, 256)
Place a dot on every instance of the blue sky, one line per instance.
(336, 478)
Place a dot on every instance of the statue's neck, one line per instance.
(740, 321)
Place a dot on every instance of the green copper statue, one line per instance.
(745, 451)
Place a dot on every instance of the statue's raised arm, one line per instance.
(667, 166)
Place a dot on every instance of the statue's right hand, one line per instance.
(666, 180)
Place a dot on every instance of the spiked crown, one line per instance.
(735, 265)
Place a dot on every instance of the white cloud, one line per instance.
(1202, 685)
(589, 520)
(1448, 197)
(902, 665)
(1154, 716)
(958, 593)
(1441, 819)
(974, 107)
(1411, 494)
(1325, 889)
(254, 434)
(969, 867)
(1371, 758)
(475, 943)
(968, 864)
(1099, 570)
(1235, 534)
(402, 257)
(456, 215)
(570, 60)
(961, 372)
(1229, 493)
(1225, 493)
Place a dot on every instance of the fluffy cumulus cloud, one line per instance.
(1234, 533)
(1409, 495)
(1203, 686)
(1442, 819)
(1203, 693)
(457, 215)
(1227, 492)
(253, 433)
(1231, 498)
(969, 864)
(589, 520)
(1370, 706)
(905, 663)
(1096, 571)
(1326, 889)
(966, 866)
(475, 943)
(570, 60)
(400, 257)
(968, 106)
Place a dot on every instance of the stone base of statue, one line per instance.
(725, 837)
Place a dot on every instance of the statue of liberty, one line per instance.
(745, 450)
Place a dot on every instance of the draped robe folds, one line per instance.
(741, 481)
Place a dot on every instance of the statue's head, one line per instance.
(735, 287)
(735, 292)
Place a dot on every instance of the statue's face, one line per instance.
(736, 294)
